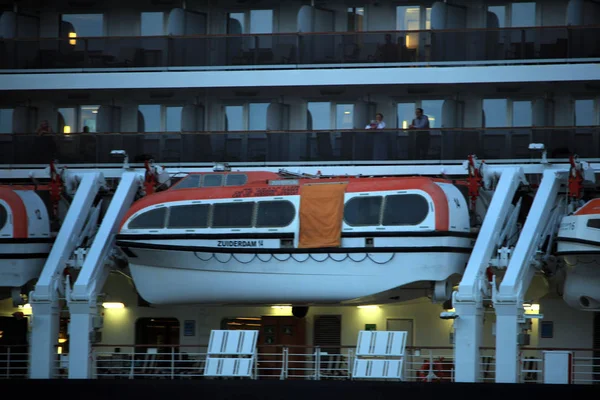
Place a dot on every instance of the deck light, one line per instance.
(113, 305)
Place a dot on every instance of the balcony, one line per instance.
(342, 147)
(304, 50)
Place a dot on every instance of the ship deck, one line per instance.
(253, 389)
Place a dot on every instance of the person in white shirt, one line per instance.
(377, 123)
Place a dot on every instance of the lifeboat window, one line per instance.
(190, 181)
(153, 219)
(360, 211)
(274, 214)
(192, 216)
(3, 216)
(592, 223)
(405, 209)
(232, 215)
(212, 180)
(235, 179)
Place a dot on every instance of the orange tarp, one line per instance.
(321, 214)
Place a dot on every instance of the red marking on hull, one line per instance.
(18, 210)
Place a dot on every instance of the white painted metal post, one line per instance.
(44, 298)
(92, 277)
(508, 302)
(468, 300)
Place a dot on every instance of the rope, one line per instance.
(265, 258)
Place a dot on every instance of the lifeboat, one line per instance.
(578, 244)
(25, 237)
(261, 238)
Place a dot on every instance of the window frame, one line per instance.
(363, 196)
(404, 225)
(256, 209)
(148, 210)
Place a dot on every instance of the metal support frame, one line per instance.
(82, 300)
(44, 299)
(468, 300)
(543, 218)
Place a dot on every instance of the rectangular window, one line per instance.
(522, 113)
(234, 118)
(495, 113)
(6, 120)
(319, 115)
(522, 14)
(433, 110)
(257, 116)
(499, 13)
(356, 19)
(232, 215)
(406, 113)
(344, 116)
(584, 112)
(236, 23)
(150, 119)
(152, 24)
(67, 120)
(173, 119)
(84, 25)
(261, 21)
(88, 118)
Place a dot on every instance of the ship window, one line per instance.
(3, 216)
(405, 209)
(212, 180)
(232, 215)
(153, 219)
(235, 179)
(363, 211)
(192, 216)
(190, 181)
(592, 223)
(274, 214)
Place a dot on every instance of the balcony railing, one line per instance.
(370, 146)
(294, 362)
(466, 46)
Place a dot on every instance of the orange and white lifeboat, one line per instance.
(25, 238)
(299, 241)
(578, 243)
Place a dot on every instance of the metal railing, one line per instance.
(429, 47)
(342, 146)
(293, 362)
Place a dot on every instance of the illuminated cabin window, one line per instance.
(362, 211)
(153, 219)
(274, 214)
(189, 216)
(405, 209)
(212, 180)
(235, 179)
(3, 216)
(592, 223)
(190, 181)
(232, 215)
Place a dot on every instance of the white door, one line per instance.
(405, 325)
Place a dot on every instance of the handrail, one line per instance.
(319, 33)
(300, 131)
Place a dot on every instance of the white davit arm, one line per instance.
(508, 301)
(468, 300)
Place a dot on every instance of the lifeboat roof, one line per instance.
(259, 185)
(591, 207)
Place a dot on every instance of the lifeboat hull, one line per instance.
(25, 238)
(301, 242)
(186, 276)
(578, 244)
